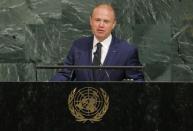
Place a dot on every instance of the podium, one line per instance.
(141, 106)
(73, 68)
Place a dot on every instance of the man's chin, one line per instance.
(100, 37)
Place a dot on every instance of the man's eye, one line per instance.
(106, 21)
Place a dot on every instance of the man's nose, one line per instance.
(101, 24)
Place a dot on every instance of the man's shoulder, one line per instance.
(124, 43)
(83, 40)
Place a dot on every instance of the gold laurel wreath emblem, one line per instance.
(80, 117)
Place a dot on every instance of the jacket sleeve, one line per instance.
(133, 60)
(66, 74)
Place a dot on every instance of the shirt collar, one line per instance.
(105, 43)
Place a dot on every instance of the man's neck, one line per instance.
(97, 40)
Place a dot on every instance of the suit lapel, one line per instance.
(110, 58)
(112, 53)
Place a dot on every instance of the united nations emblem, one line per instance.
(88, 104)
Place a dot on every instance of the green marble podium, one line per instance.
(131, 106)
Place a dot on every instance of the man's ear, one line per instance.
(114, 24)
(90, 20)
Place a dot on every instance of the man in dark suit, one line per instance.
(102, 48)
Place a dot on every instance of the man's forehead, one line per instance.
(106, 7)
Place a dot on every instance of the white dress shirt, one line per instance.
(105, 47)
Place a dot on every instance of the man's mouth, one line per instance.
(100, 31)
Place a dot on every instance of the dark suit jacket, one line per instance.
(120, 54)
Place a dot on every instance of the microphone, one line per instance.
(107, 74)
(72, 75)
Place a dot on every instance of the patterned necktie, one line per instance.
(97, 61)
(97, 55)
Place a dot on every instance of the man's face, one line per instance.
(102, 22)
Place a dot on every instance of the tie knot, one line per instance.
(99, 45)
